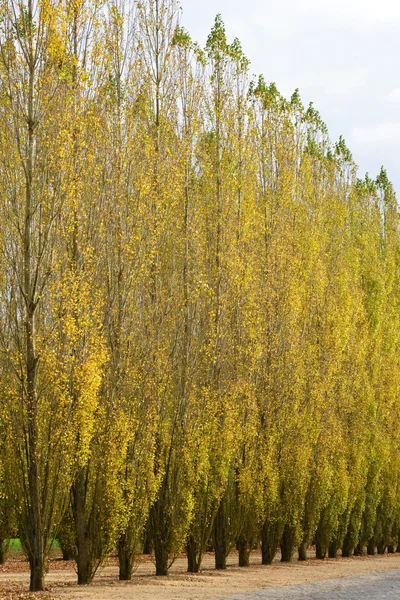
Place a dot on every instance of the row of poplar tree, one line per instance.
(199, 302)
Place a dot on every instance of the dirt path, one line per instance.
(370, 586)
(207, 585)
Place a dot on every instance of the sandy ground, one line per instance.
(367, 586)
(207, 585)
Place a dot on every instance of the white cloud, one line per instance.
(384, 11)
(359, 12)
(234, 26)
(394, 96)
(383, 133)
(334, 82)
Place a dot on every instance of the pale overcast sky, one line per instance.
(343, 55)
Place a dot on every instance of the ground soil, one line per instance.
(207, 585)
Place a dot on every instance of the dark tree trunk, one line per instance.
(371, 550)
(35, 526)
(147, 546)
(67, 554)
(270, 536)
(161, 554)
(84, 569)
(320, 551)
(333, 549)
(302, 550)
(322, 539)
(37, 567)
(391, 549)
(160, 537)
(83, 564)
(162, 559)
(192, 556)
(2, 552)
(359, 550)
(125, 558)
(67, 536)
(287, 543)
(147, 541)
(381, 547)
(84, 560)
(348, 547)
(244, 552)
(220, 539)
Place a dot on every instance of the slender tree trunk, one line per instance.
(220, 538)
(333, 549)
(36, 545)
(287, 544)
(381, 547)
(84, 561)
(67, 554)
(302, 550)
(66, 536)
(4, 545)
(161, 527)
(84, 571)
(270, 536)
(125, 565)
(244, 547)
(371, 549)
(36, 553)
(320, 551)
(125, 557)
(348, 546)
(37, 566)
(358, 550)
(147, 543)
(192, 554)
(391, 549)
(322, 537)
(161, 557)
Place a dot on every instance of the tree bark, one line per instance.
(161, 556)
(381, 547)
(333, 550)
(37, 566)
(270, 536)
(192, 553)
(348, 546)
(84, 561)
(371, 549)
(220, 539)
(244, 548)
(287, 544)
(35, 532)
(67, 554)
(147, 541)
(125, 558)
(302, 550)
(358, 550)
(320, 551)
(160, 531)
(322, 538)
